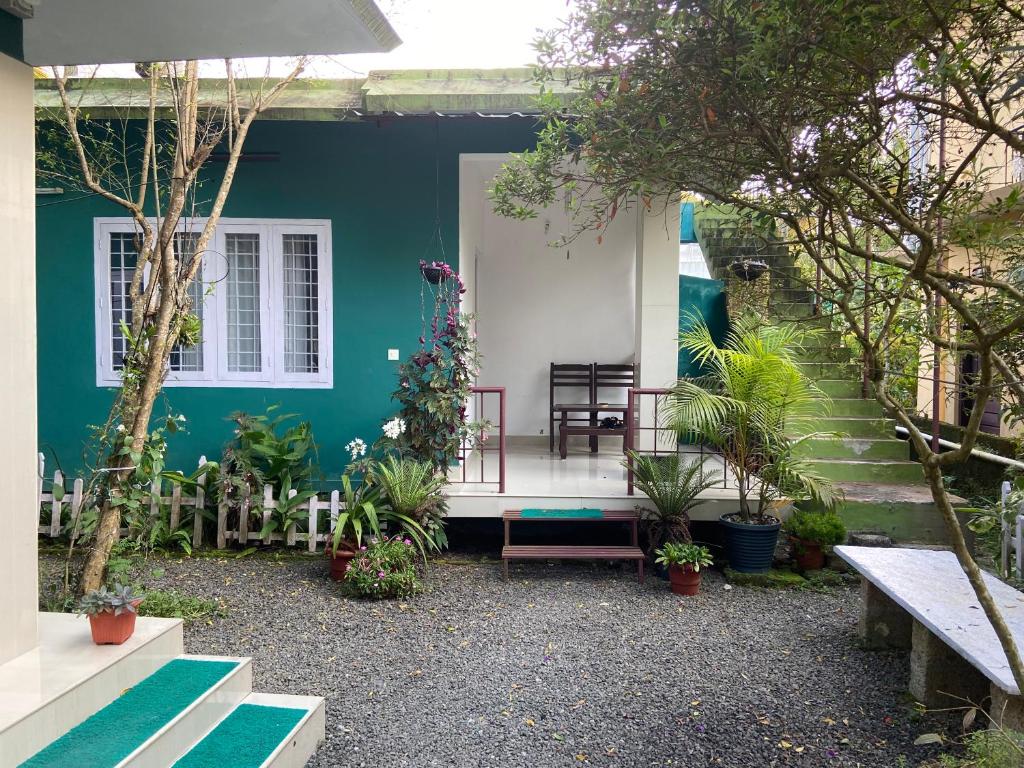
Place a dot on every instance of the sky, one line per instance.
(447, 34)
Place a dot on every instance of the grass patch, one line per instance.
(994, 748)
(773, 579)
(168, 604)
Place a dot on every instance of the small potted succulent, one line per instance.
(809, 532)
(684, 562)
(358, 517)
(111, 613)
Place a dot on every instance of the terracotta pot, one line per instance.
(110, 629)
(808, 555)
(340, 561)
(684, 580)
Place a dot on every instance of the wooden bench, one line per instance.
(572, 551)
(592, 428)
(921, 600)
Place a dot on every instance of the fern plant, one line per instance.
(672, 487)
(413, 491)
(753, 395)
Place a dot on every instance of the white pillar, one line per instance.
(19, 591)
(657, 306)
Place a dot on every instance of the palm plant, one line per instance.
(415, 503)
(745, 405)
(673, 487)
(361, 514)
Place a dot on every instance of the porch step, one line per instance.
(152, 723)
(264, 731)
(852, 470)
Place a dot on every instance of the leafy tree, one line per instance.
(868, 133)
(149, 162)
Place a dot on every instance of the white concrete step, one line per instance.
(67, 678)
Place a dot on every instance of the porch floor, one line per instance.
(536, 477)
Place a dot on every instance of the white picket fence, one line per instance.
(1012, 540)
(50, 524)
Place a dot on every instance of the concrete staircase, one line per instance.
(885, 491)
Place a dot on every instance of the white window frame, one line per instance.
(215, 368)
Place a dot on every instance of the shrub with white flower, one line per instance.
(394, 428)
(356, 448)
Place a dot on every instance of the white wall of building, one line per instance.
(18, 519)
(538, 304)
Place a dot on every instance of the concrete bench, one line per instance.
(921, 600)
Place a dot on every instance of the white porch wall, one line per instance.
(657, 306)
(536, 304)
(18, 567)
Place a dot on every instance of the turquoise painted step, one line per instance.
(839, 388)
(869, 471)
(117, 730)
(880, 428)
(854, 448)
(245, 738)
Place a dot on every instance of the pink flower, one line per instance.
(380, 574)
(408, 542)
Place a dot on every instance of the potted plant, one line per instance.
(745, 407)
(360, 516)
(810, 531)
(111, 613)
(684, 561)
(672, 486)
(415, 501)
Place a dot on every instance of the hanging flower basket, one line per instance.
(748, 269)
(436, 272)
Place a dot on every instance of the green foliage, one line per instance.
(751, 397)
(359, 515)
(672, 487)
(824, 528)
(415, 502)
(117, 600)
(993, 748)
(170, 604)
(434, 383)
(693, 555)
(385, 569)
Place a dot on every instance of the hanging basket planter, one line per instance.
(435, 273)
(748, 270)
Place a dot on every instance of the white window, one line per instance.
(262, 292)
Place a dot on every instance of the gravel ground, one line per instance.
(562, 666)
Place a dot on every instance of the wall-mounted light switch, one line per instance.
(392, 354)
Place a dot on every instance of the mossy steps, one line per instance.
(855, 444)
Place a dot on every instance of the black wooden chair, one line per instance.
(578, 376)
(616, 376)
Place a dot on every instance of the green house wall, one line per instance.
(375, 181)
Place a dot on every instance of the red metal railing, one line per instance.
(489, 440)
(660, 445)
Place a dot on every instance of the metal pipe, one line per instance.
(995, 458)
(937, 350)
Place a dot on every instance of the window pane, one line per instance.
(123, 258)
(191, 358)
(301, 318)
(243, 302)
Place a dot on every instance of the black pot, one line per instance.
(748, 269)
(432, 274)
(750, 548)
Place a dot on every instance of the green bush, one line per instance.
(989, 749)
(386, 568)
(825, 528)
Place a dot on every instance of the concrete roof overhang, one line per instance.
(66, 32)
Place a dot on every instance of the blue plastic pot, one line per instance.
(750, 548)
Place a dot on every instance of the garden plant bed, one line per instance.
(566, 665)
